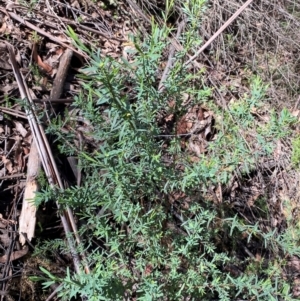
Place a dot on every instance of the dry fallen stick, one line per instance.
(13, 112)
(45, 153)
(17, 175)
(59, 81)
(27, 220)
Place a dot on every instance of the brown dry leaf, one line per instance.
(39, 61)
(194, 159)
(296, 113)
(264, 117)
(4, 238)
(20, 128)
(169, 118)
(53, 48)
(127, 51)
(4, 63)
(197, 122)
(53, 57)
(26, 150)
(3, 28)
(234, 83)
(252, 199)
(111, 44)
(94, 15)
(9, 87)
(75, 4)
(175, 196)
(186, 122)
(296, 287)
(10, 6)
(2, 172)
(219, 193)
(8, 164)
(6, 222)
(148, 270)
(172, 104)
(28, 139)
(181, 127)
(192, 122)
(186, 99)
(258, 257)
(127, 30)
(14, 255)
(218, 75)
(294, 265)
(197, 146)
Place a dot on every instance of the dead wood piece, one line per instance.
(27, 219)
(13, 176)
(12, 112)
(61, 74)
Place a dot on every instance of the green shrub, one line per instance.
(150, 247)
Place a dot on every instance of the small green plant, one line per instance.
(35, 37)
(230, 39)
(30, 5)
(36, 73)
(42, 180)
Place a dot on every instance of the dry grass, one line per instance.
(263, 40)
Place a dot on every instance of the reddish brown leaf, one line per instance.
(39, 61)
